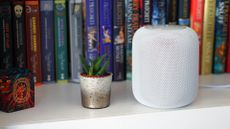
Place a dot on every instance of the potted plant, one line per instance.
(95, 83)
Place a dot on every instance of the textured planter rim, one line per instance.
(103, 76)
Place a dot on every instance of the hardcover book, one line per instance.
(106, 31)
(6, 40)
(171, 12)
(32, 22)
(47, 40)
(208, 36)
(129, 36)
(145, 12)
(76, 38)
(92, 29)
(118, 40)
(158, 14)
(135, 27)
(84, 27)
(221, 33)
(136, 15)
(196, 17)
(18, 12)
(60, 27)
(183, 12)
(228, 49)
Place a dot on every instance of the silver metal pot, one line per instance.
(95, 91)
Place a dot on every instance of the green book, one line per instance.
(60, 26)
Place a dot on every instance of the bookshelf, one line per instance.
(58, 107)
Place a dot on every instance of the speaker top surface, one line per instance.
(165, 27)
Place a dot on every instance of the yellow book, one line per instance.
(208, 36)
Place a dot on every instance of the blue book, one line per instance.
(158, 13)
(184, 12)
(47, 40)
(221, 33)
(76, 38)
(106, 34)
(92, 29)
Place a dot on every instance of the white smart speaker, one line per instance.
(165, 66)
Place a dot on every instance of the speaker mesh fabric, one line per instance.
(165, 66)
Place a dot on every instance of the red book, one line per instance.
(33, 39)
(228, 45)
(196, 16)
(141, 13)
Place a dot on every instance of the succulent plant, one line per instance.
(95, 67)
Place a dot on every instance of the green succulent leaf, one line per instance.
(95, 67)
(90, 71)
(98, 62)
(103, 69)
(84, 64)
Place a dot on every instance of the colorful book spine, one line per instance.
(6, 40)
(208, 36)
(228, 44)
(106, 31)
(145, 12)
(136, 16)
(76, 40)
(118, 40)
(171, 12)
(33, 39)
(135, 27)
(129, 6)
(19, 33)
(196, 16)
(60, 27)
(132, 24)
(92, 29)
(47, 40)
(158, 14)
(184, 12)
(129, 36)
(84, 27)
(221, 32)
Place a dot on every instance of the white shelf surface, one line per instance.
(59, 106)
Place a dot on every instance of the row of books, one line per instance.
(34, 34)
(209, 18)
(47, 36)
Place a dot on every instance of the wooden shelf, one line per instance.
(59, 106)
